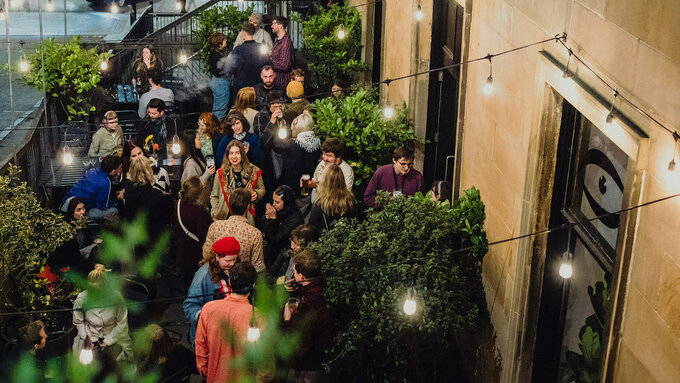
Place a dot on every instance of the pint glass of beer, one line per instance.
(305, 185)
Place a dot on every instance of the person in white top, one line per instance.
(332, 150)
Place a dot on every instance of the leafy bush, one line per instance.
(70, 73)
(28, 234)
(330, 57)
(227, 19)
(357, 120)
(408, 244)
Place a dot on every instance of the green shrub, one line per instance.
(70, 73)
(328, 56)
(357, 120)
(227, 19)
(408, 244)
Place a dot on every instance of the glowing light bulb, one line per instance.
(68, 157)
(388, 111)
(253, 334)
(49, 6)
(263, 49)
(178, 5)
(610, 117)
(183, 58)
(419, 13)
(86, 356)
(488, 86)
(114, 8)
(283, 132)
(23, 65)
(341, 34)
(409, 306)
(104, 65)
(566, 270)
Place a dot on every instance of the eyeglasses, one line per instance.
(406, 164)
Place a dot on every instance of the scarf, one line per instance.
(308, 141)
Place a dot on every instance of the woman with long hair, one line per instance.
(191, 221)
(236, 172)
(245, 104)
(218, 84)
(333, 199)
(208, 135)
(237, 127)
(105, 325)
(281, 217)
(156, 350)
(193, 163)
(441, 191)
(144, 65)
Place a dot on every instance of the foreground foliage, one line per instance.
(371, 265)
(70, 72)
(369, 137)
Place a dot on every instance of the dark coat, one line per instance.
(189, 252)
(277, 231)
(324, 221)
(244, 63)
(296, 162)
(157, 207)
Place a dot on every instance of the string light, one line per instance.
(67, 156)
(410, 305)
(488, 86)
(676, 137)
(419, 13)
(24, 66)
(565, 74)
(86, 355)
(566, 270)
(610, 115)
(175, 145)
(183, 58)
(114, 8)
(49, 6)
(178, 5)
(283, 131)
(263, 49)
(104, 65)
(253, 329)
(341, 33)
(388, 111)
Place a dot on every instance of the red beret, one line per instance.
(226, 246)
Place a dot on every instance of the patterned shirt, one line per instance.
(247, 236)
(282, 60)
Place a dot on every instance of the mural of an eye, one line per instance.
(596, 164)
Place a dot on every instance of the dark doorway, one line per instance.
(590, 174)
(447, 31)
(377, 41)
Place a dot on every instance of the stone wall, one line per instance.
(633, 45)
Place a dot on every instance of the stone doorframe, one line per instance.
(543, 139)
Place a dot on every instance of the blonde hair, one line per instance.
(245, 98)
(98, 275)
(332, 194)
(301, 123)
(140, 172)
(110, 115)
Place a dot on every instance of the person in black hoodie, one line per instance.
(281, 217)
(246, 60)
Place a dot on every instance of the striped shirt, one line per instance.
(282, 60)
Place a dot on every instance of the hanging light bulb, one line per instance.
(419, 13)
(49, 6)
(676, 137)
(488, 86)
(104, 65)
(341, 33)
(175, 145)
(283, 132)
(24, 66)
(388, 110)
(410, 305)
(263, 49)
(86, 356)
(566, 74)
(178, 5)
(114, 8)
(183, 58)
(67, 157)
(253, 334)
(610, 115)
(566, 270)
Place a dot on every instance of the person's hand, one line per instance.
(312, 184)
(290, 287)
(210, 170)
(246, 146)
(286, 312)
(120, 194)
(270, 212)
(277, 114)
(253, 196)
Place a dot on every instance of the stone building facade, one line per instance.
(543, 153)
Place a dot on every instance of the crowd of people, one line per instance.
(244, 194)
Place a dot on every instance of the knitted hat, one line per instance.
(295, 89)
(226, 246)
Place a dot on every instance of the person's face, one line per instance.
(274, 106)
(403, 165)
(268, 77)
(136, 152)
(434, 197)
(298, 277)
(155, 114)
(336, 91)
(79, 212)
(43, 340)
(277, 202)
(110, 124)
(234, 155)
(226, 262)
(300, 79)
(276, 27)
(294, 245)
(237, 127)
(146, 54)
(224, 44)
(330, 158)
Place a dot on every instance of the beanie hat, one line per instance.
(226, 246)
(295, 89)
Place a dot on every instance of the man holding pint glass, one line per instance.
(332, 150)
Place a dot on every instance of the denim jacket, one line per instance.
(200, 292)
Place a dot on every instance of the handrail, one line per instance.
(182, 19)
